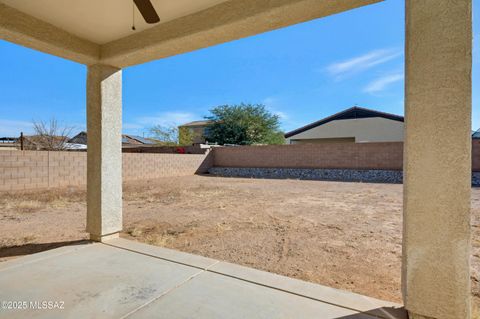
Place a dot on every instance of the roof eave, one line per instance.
(337, 116)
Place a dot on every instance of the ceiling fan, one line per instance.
(147, 10)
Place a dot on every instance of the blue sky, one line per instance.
(303, 73)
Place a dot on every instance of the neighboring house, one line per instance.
(127, 139)
(197, 129)
(8, 143)
(476, 134)
(45, 142)
(75, 146)
(80, 138)
(355, 125)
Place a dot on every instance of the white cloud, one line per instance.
(281, 115)
(271, 103)
(10, 128)
(131, 126)
(361, 63)
(381, 83)
(168, 119)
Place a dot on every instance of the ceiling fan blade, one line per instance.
(147, 10)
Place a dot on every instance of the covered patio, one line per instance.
(113, 278)
(125, 279)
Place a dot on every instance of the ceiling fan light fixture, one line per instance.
(147, 10)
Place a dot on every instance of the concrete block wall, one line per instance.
(140, 166)
(366, 156)
(34, 169)
(30, 169)
(66, 168)
(23, 170)
(329, 156)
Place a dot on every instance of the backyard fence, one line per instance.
(364, 162)
(374, 156)
(40, 169)
(330, 155)
(378, 162)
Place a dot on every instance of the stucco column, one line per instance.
(104, 164)
(437, 159)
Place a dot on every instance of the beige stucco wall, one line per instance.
(375, 129)
(437, 162)
(23, 29)
(104, 155)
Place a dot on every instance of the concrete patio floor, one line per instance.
(126, 279)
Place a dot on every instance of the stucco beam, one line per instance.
(224, 22)
(437, 159)
(28, 31)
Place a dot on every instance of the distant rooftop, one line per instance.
(81, 138)
(355, 112)
(198, 123)
(141, 139)
(476, 134)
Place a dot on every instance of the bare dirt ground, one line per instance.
(343, 235)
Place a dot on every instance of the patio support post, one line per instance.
(437, 159)
(104, 159)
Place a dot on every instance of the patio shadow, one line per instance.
(27, 249)
(383, 312)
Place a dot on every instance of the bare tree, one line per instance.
(167, 135)
(49, 136)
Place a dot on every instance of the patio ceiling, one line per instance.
(93, 31)
(106, 20)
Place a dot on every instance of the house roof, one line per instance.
(34, 139)
(140, 139)
(476, 134)
(81, 138)
(355, 112)
(198, 123)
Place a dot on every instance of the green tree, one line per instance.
(185, 136)
(244, 124)
(172, 135)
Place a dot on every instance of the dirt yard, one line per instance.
(343, 235)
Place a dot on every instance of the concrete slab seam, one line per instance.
(243, 279)
(301, 295)
(167, 291)
(162, 258)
